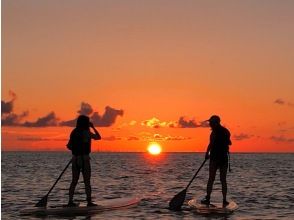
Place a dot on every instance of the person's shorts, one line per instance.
(219, 163)
(81, 162)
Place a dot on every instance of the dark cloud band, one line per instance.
(106, 120)
(9, 118)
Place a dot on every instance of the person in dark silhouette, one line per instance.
(80, 146)
(218, 153)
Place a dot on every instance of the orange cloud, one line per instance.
(160, 137)
(181, 123)
(156, 123)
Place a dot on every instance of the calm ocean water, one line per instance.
(262, 184)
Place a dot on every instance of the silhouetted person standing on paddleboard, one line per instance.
(218, 153)
(80, 145)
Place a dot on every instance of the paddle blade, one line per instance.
(42, 202)
(177, 201)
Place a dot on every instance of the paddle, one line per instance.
(177, 201)
(43, 201)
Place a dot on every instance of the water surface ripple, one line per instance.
(262, 184)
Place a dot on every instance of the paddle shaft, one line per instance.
(59, 177)
(196, 174)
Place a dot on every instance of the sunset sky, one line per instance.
(148, 71)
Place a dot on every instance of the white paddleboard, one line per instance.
(213, 207)
(105, 205)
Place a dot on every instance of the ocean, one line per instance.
(261, 184)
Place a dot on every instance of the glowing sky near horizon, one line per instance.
(150, 71)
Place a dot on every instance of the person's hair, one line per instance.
(83, 122)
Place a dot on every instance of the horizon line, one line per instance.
(201, 152)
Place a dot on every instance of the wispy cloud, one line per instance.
(280, 101)
(176, 138)
(242, 136)
(111, 138)
(149, 137)
(160, 137)
(133, 138)
(282, 139)
(37, 138)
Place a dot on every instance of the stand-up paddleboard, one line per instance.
(104, 205)
(213, 207)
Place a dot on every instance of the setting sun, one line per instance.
(154, 148)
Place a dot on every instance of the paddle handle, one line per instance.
(59, 177)
(196, 174)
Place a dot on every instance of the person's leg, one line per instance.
(87, 178)
(223, 179)
(212, 173)
(75, 178)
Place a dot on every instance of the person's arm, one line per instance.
(229, 138)
(69, 143)
(211, 139)
(95, 136)
(207, 151)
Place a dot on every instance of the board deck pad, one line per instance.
(104, 205)
(213, 207)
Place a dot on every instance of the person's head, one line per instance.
(214, 121)
(83, 122)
